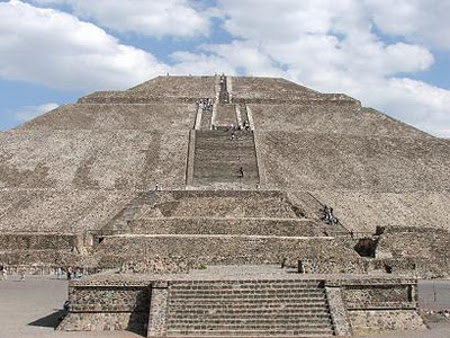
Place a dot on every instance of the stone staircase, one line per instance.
(219, 158)
(252, 308)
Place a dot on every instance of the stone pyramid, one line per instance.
(228, 162)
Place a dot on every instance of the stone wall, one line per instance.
(108, 307)
(46, 257)
(216, 226)
(198, 204)
(36, 241)
(109, 299)
(413, 251)
(363, 322)
(381, 304)
(320, 254)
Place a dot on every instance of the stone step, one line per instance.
(220, 288)
(251, 333)
(231, 174)
(251, 325)
(303, 294)
(198, 314)
(217, 161)
(279, 316)
(217, 133)
(226, 165)
(225, 137)
(227, 182)
(219, 291)
(250, 296)
(225, 155)
(301, 291)
(224, 169)
(226, 176)
(245, 305)
(230, 145)
(251, 284)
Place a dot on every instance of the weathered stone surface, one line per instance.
(338, 311)
(375, 321)
(157, 321)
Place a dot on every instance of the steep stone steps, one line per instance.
(218, 158)
(227, 172)
(205, 122)
(248, 308)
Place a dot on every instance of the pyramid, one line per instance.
(219, 172)
(114, 163)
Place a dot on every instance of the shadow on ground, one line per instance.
(52, 320)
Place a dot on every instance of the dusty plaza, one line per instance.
(223, 206)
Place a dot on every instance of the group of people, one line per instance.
(328, 216)
(233, 127)
(205, 104)
(70, 273)
(4, 273)
(60, 272)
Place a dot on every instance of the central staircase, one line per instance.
(221, 158)
(252, 308)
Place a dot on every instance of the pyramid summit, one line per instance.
(221, 171)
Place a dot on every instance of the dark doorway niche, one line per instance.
(100, 239)
(366, 247)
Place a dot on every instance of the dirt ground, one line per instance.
(31, 308)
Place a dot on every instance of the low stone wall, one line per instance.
(320, 254)
(216, 226)
(380, 304)
(353, 265)
(47, 258)
(108, 307)
(36, 241)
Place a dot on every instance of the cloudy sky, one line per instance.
(393, 55)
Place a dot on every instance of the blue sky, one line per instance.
(393, 55)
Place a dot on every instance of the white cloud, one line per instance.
(147, 17)
(334, 48)
(200, 64)
(30, 112)
(424, 21)
(57, 49)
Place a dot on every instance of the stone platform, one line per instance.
(224, 301)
